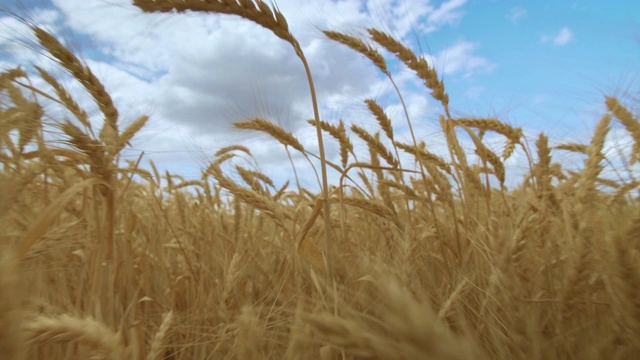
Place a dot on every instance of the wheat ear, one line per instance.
(418, 64)
(381, 116)
(339, 133)
(231, 148)
(85, 76)
(259, 201)
(376, 145)
(158, 339)
(360, 46)
(493, 124)
(424, 156)
(488, 156)
(280, 134)
(573, 147)
(630, 123)
(68, 328)
(66, 99)
(592, 166)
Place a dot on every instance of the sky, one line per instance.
(543, 65)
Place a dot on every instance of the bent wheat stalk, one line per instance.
(270, 18)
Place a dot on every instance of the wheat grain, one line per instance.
(573, 147)
(9, 75)
(67, 328)
(376, 145)
(543, 171)
(284, 137)
(383, 119)
(252, 174)
(231, 148)
(487, 155)
(630, 123)
(253, 10)
(263, 203)
(85, 76)
(424, 156)
(128, 133)
(513, 134)
(455, 150)
(408, 191)
(158, 339)
(360, 46)
(372, 207)
(65, 98)
(509, 148)
(339, 133)
(417, 64)
(592, 166)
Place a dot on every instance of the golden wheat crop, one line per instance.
(422, 256)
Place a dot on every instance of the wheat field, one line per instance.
(427, 258)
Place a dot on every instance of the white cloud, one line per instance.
(561, 38)
(517, 13)
(460, 58)
(447, 13)
(195, 74)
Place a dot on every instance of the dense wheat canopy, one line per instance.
(410, 254)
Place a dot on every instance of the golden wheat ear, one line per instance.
(89, 81)
(86, 331)
(418, 64)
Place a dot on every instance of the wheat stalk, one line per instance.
(379, 61)
(272, 19)
(11, 334)
(250, 335)
(627, 281)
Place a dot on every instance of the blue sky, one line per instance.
(540, 65)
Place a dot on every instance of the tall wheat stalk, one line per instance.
(270, 18)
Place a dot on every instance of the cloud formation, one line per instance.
(196, 74)
(517, 13)
(561, 38)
